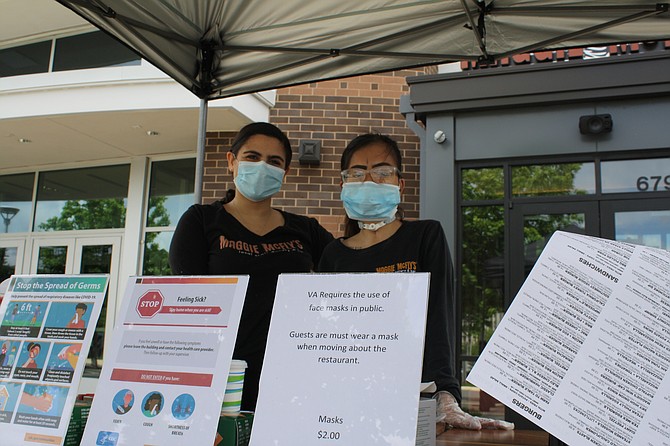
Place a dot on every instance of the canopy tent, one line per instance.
(220, 48)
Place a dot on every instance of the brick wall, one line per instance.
(332, 112)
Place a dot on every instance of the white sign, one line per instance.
(47, 327)
(164, 379)
(343, 360)
(584, 349)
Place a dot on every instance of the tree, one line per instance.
(88, 214)
(156, 257)
(110, 213)
(483, 272)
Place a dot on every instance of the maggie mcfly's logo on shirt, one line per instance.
(399, 267)
(259, 249)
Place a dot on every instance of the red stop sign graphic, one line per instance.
(149, 303)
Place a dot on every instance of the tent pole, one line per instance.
(200, 157)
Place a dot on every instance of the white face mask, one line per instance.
(258, 181)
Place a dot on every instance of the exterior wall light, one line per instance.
(309, 152)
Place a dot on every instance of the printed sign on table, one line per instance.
(584, 349)
(47, 325)
(343, 360)
(164, 379)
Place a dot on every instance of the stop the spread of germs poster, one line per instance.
(164, 377)
(46, 327)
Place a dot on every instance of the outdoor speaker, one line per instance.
(595, 124)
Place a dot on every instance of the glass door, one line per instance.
(84, 255)
(531, 226)
(52, 256)
(11, 261)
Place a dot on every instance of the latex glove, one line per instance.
(489, 423)
(450, 413)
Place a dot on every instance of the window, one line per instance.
(482, 276)
(7, 262)
(553, 179)
(91, 50)
(25, 59)
(483, 184)
(16, 198)
(171, 192)
(482, 273)
(642, 175)
(91, 198)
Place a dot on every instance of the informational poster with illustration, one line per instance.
(343, 360)
(584, 349)
(47, 325)
(164, 378)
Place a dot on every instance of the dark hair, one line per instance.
(82, 305)
(367, 139)
(259, 128)
(359, 142)
(32, 345)
(262, 128)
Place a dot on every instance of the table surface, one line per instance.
(490, 437)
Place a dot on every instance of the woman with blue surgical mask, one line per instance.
(244, 234)
(377, 239)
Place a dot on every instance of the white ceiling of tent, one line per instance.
(221, 48)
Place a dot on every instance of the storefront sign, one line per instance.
(164, 379)
(47, 326)
(343, 360)
(584, 349)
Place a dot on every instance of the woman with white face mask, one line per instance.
(377, 239)
(244, 234)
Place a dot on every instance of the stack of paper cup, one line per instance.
(233, 396)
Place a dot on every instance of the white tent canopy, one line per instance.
(221, 48)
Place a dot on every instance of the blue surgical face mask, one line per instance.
(370, 201)
(258, 180)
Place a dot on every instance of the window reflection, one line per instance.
(7, 262)
(96, 259)
(648, 228)
(642, 175)
(553, 179)
(91, 50)
(538, 229)
(171, 191)
(52, 260)
(25, 59)
(16, 195)
(156, 248)
(482, 275)
(483, 184)
(93, 198)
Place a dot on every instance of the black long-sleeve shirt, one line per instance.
(210, 241)
(417, 246)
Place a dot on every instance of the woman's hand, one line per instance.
(450, 413)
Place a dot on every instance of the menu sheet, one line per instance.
(584, 349)
(47, 325)
(164, 377)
